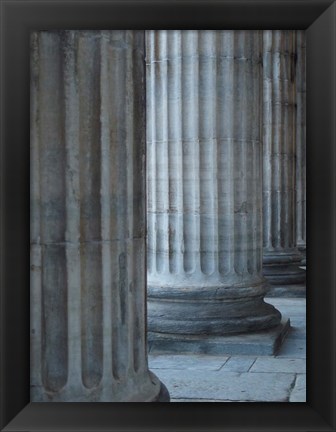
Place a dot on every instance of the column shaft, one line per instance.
(281, 256)
(88, 218)
(204, 183)
(301, 143)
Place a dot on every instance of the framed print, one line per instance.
(19, 19)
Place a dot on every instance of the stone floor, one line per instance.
(280, 378)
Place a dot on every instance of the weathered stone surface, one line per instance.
(199, 362)
(286, 365)
(228, 386)
(88, 218)
(239, 364)
(204, 184)
(281, 255)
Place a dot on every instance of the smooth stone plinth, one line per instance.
(204, 184)
(281, 255)
(88, 277)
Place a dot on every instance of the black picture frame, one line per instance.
(18, 18)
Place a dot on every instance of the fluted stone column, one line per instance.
(281, 255)
(301, 143)
(88, 275)
(204, 183)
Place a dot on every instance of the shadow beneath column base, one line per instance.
(163, 395)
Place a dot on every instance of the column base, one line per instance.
(281, 268)
(210, 310)
(267, 342)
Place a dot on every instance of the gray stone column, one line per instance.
(301, 143)
(88, 275)
(281, 255)
(204, 183)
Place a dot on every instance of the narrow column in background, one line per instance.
(88, 274)
(301, 143)
(281, 255)
(204, 184)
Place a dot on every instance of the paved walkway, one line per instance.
(281, 378)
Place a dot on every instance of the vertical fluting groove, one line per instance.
(190, 148)
(133, 188)
(162, 190)
(118, 189)
(225, 148)
(215, 158)
(285, 141)
(207, 143)
(133, 202)
(277, 108)
(35, 197)
(138, 146)
(300, 168)
(253, 75)
(252, 138)
(267, 160)
(279, 139)
(88, 54)
(241, 181)
(139, 337)
(292, 161)
(175, 149)
(197, 246)
(281, 116)
(256, 216)
(54, 278)
(274, 136)
(249, 138)
(290, 166)
(182, 160)
(108, 252)
(151, 153)
(130, 232)
(258, 165)
(72, 216)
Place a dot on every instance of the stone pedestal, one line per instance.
(204, 184)
(88, 275)
(301, 143)
(281, 255)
